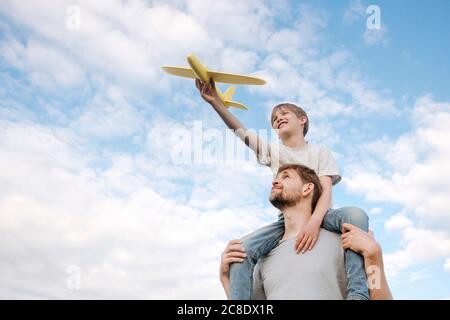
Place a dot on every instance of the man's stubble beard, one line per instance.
(282, 200)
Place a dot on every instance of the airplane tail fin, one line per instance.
(229, 103)
(227, 97)
(228, 94)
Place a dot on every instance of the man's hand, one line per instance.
(234, 252)
(361, 242)
(307, 237)
(208, 91)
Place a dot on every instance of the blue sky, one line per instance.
(90, 128)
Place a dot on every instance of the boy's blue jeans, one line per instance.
(259, 243)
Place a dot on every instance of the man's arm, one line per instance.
(308, 236)
(209, 94)
(379, 290)
(363, 243)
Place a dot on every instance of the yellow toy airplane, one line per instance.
(198, 70)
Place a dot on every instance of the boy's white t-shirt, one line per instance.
(318, 158)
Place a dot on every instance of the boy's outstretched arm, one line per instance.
(308, 236)
(209, 94)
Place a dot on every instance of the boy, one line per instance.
(291, 123)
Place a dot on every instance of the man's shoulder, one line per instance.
(328, 238)
(328, 247)
(329, 235)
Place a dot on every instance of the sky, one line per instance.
(119, 181)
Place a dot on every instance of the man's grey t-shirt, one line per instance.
(318, 274)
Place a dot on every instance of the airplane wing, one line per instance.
(216, 75)
(180, 71)
(234, 78)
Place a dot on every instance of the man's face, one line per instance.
(286, 122)
(286, 190)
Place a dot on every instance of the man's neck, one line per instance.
(295, 217)
(294, 141)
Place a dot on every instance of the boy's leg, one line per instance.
(354, 263)
(257, 244)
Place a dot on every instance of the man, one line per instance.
(317, 274)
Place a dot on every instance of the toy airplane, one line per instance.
(198, 70)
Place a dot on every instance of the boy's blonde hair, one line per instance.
(299, 112)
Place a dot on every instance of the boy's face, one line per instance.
(286, 122)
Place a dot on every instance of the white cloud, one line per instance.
(235, 60)
(303, 37)
(46, 66)
(408, 171)
(375, 211)
(211, 173)
(364, 98)
(109, 115)
(376, 36)
(415, 181)
(419, 275)
(418, 246)
(447, 265)
(247, 23)
(322, 83)
(128, 240)
(355, 11)
(115, 39)
(118, 42)
(398, 222)
(322, 132)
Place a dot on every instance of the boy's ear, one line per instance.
(302, 120)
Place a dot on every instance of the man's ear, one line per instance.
(308, 189)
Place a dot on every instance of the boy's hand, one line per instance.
(308, 236)
(207, 91)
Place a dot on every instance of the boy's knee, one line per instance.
(357, 217)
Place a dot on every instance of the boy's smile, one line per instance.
(282, 123)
